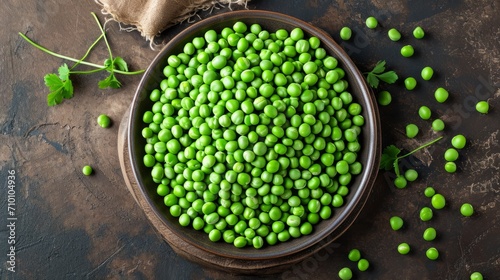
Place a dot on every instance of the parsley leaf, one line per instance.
(390, 156)
(110, 82)
(59, 86)
(120, 64)
(377, 74)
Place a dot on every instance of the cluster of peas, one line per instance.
(253, 136)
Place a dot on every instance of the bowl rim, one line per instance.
(372, 123)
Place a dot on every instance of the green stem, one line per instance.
(421, 147)
(88, 72)
(101, 67)
(104, 34)
(88, 51)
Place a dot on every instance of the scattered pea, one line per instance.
(396, 222)
(403, 248)
(400, 182)
(458, 141)
(418, 32)
(410, 83)
(451, 154)
(450, 167)
(345, 33)
(363, 264)
(438, 125)
(411, 175)
(103, 120)
(427, 73)
(441, 95)
(438, 201)
(407, 51)
(432, 253)
(345, 273)
(483, 107)
(384, 98)
(429, 192)
(394, 34)
(87, 170)
(354, 255)
(371, 22)
(467, 210)
(426, 214)
(411, 130)
(424, 112)
(476, 276)
(429, 234)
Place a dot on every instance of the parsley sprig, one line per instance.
(390, 158)
(373, 77)
(60, 85)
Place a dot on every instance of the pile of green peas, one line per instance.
(253, 136)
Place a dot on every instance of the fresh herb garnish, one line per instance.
(60, 85)
(390, 158)
(373, 77)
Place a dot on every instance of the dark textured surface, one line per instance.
(74, 227)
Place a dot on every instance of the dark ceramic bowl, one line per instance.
(359, 188)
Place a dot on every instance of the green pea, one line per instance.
(87, 170)
(441, 95)
(104, 121)
(354, 255)
(345, 33)
(427, 73)
(396, 222)
(384, 98)
(438, 125)
(438, 201)
(418, 32)
(451, 154)
(482, 107)
(371, 22)
(429, 234)
(410, 83)
(432, 253)
(403, 248)
(450, 167)
(458, 141)
(345, 273)
(411, 130)
(394, 34)
(424, 112)
(476, 276)
(426, 214)
(429, 192)
(467, 210)
(363, 264)
(407, 51)
(400, 182)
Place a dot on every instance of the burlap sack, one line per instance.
(150, 17)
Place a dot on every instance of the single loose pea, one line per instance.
(451, 154)
(396, 222)
(483, 107)
(410, 83)
(371, 22)
(394, 34)
(411, 130)
(345, 33)
(432, 253)
(384, 98)
(438, 125)
(426, 214)
(476, 276)
(411, 175)
(407, 51)
(441, 95)
(400, 182)
(345, 273)
(429, 192)
(467, 210)
(103, 120)
(403, 248)
(354, 255)
(458, 141)
(450, 167)
(87, 170)
(427, 73)
(424, 112)
(363, 264)
(429, 234)
(418, 32)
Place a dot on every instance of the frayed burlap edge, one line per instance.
(189, 14)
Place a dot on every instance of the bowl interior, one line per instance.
(360, 186)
